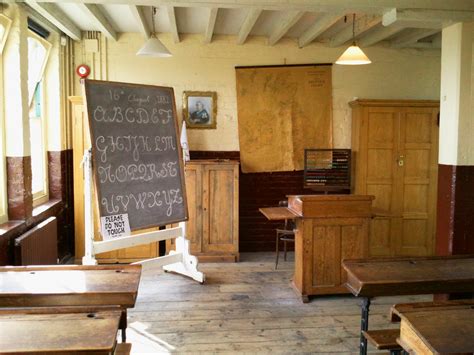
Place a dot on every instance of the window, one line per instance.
(5, 24)
(38, 51)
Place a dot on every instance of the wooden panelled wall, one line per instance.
(257, 190)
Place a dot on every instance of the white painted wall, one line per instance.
(394, 74)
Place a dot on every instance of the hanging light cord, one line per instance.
(153, 13)
(353, 29)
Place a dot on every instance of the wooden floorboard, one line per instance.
(246, 307)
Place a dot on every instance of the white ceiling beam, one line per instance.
(321, 25)
(93, 11)
(137, 12)
(249, 22)
(362, 25)
(425, 18)
(54, 14)
(412, 37)
(173, 26)
(284, 26)
(367, 6)
(379, 35)
(210, 25)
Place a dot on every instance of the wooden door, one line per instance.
(220, 215)
(381, 127)
(193, 177)
(417, 162)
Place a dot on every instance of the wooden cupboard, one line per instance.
(81, 142)
(212, 188)
(395, 147)
(329, 228)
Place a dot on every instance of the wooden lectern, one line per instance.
(330, 228)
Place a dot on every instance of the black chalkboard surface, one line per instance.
(136, 154)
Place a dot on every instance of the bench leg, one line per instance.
(277, 249)
(123, 326)
(364, 324)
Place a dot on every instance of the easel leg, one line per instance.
(189, 263)
(364, 324)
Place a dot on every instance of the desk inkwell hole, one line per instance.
(118, 271)
(91, 315)
(32, 272)
(413, 262)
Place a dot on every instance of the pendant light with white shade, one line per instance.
(153, 47)
(353, 55)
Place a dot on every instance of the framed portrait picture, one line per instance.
(200, 109)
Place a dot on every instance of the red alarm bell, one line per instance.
(83, 71)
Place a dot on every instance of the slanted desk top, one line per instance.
(71, 285)
(278, 213)
(410, 276)
(62, 333)
(437, 328)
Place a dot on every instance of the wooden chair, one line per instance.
(285, 234)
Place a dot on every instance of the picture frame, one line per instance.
(200, 109)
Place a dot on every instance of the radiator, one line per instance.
(38, 246)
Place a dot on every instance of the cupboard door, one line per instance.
(382, 131)
(418, 186)
(193, 178)
(220, 211)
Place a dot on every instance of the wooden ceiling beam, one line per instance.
(249, 22)
(412, 37)
(137, 12)
(362, 25)
(435, 19)
(173, 26)
(367, 6)
(284, 26)
(379, 35)
(210, 25)
(93, 11)
(321, 25)
(57, 17)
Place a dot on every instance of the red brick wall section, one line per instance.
(259, 190)
(455, 222)
(19, 188)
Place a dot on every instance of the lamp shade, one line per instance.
(353, 56)
(153, 47)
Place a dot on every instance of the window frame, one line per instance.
(42, 196)
(6, 22)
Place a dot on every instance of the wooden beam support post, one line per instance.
(249, 22)
(321, 25)
(210, 25)
(284, 26)
(100, 20)
(57, 17)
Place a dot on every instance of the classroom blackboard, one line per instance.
(136, 154)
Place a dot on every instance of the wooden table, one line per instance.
(278, 213)
(436, 327)
(369, 278)
(47, 331)
(71, 285)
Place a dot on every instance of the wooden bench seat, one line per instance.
(123, 349)
(383, 339)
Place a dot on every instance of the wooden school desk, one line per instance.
(59, 331)
(71, 285)
(368, 278)
(436, 327)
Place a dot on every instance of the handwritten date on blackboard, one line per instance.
(137, 162)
